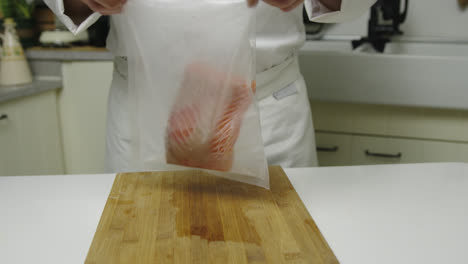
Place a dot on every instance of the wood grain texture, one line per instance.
(194, 217)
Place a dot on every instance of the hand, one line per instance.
(105, 7)
(285, 5)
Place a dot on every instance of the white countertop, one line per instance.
(368, 214)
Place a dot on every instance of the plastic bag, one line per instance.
(191, 68)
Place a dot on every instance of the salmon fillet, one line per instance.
(206, 118)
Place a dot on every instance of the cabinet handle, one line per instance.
(328, 149)
(3, 116)
(383, 155)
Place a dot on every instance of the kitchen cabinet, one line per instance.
(386, 120)
(83, 108)
(333, 149)
(30, 140)
(377, 150)
(342, 150)
(378, 134)
(368, 150)
(444, 151)
(85, 75)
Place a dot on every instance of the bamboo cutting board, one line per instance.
(193, 217)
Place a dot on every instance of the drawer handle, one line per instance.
(383, 155)
(3, 117)
(328, 149)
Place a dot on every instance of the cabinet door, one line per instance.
(30, 142)
(463, 153)
(83, 111)
(368, 150)
(391, 121)
(333, 149)
(434, 151)
(9, 163)
(381, 150)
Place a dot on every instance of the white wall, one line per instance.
(427, 20)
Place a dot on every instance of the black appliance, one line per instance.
(384, 23)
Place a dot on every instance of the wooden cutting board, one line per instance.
(193, 217)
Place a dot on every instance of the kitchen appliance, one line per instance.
(62, 37)
(14, 68)
(384, 23)
(193, 217)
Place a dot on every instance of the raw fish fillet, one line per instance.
(206, 118)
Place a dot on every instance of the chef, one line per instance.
(286, 118)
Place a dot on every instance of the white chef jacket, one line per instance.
(286, 119)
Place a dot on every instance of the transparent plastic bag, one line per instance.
(191, 87)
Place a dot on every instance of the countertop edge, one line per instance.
(70, 55)
(9, 93)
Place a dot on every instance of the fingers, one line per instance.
(252, 3)
(280, 3)
(110, 4)
(105, 7)
(285, 5)
(292, 6)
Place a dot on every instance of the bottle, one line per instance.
(14, 68)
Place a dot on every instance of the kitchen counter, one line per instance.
(8, 93)
(46, 63)
(415, 213)
(85, 53)
(407, 74)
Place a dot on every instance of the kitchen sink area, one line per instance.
(405, 74)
